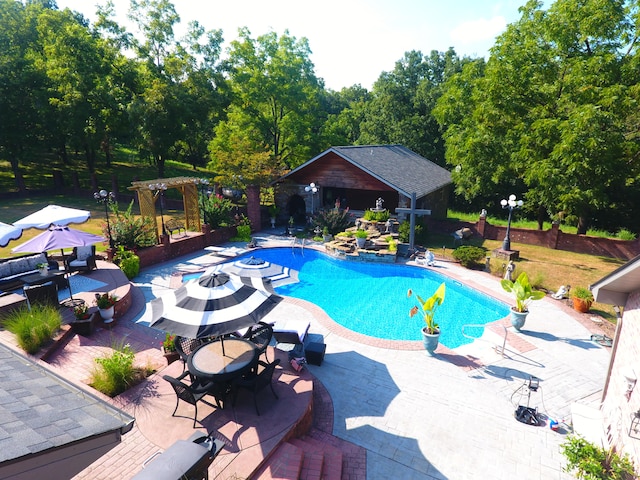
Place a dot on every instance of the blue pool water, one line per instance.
(371, 298)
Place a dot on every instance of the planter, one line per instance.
(518, 318)
(106, 314)
(430, 341)
(581, 305)
(84, 326)
(273, 222)
(43, 271)
(360, 242)
(326, 238)
(170, 356)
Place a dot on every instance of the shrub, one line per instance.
(217, 211)
(376, 216)
(624, 234)
(334, 220)
(115, 373)
(244, 234)
(595, 463)
(33, 328)
(128, 261)
(405, 229)
(469, 256)
(131, 232)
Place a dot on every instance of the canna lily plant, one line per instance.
(428, 308)
(522, 291)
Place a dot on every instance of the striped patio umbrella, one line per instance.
(253, 267)
(213, 305)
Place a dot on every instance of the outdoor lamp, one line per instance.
(511, 204)
(311, 188)
(106, 198)
(160, 188)
(630, 379)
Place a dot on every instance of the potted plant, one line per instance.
(361, 238)
(428, 307)
(273, 213)
(83, 323)
(169, 348)
(43, 268)
(106, 305)
(523, 293)
(582, 299)
(326, 236)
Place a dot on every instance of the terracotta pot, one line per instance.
(581, 305)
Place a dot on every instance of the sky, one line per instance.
(352, 41)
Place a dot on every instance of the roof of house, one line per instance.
(40, 411)
(395, 165)
(615, 287)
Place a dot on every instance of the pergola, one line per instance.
(188, 186)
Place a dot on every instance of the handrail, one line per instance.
(497, 348)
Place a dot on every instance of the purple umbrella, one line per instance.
(58, 237)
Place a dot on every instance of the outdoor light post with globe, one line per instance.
(511, 204)
(106, 198)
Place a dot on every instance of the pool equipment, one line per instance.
(527, 414)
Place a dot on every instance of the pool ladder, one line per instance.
(497, 348)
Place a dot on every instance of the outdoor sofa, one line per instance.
(13, 269)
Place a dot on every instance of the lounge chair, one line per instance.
(83, 259)
(290, 331)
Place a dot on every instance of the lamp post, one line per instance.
(202, 184)
(106, 198)
(311, 188)
(159, 188)
(511, 204)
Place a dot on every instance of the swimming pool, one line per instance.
(371, 298)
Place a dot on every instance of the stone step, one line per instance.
(313, 460)
(333, 461)
(284, 464)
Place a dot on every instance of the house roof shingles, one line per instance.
(40, 411)
(397, 166)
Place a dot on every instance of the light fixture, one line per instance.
(511, 204)
(631, 380)
(106, 198)
(312, 188)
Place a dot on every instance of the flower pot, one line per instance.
(581, 305)
(326, 238)
(84, 326)
(360, 242)
(43, 271)
(430, 340)
(106, 314)
(273, 222)
(518, 318)
(170, 356)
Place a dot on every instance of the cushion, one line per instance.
(82, 253)
(5, 269)
(19, 265)
(78, 263)
(35, 260)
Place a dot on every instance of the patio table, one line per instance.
(207, 361)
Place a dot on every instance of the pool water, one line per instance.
(371, 298)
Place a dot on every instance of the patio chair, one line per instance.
(184, 347)
(83, 259)
(260, 334)
(255, 381)
(194, 393)
(45, 294)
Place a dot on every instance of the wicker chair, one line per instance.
(256, 381)
(184, 347)
(195, 393)
(45, 294)
(83, 259)
(260, 334)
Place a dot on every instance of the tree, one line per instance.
(549, 116)
(275, 102)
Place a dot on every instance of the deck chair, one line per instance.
(255, 381)
(83, 259)
(194, 393)
(45, 294)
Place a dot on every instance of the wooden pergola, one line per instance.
(188, 186)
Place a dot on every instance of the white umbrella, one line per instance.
(8, 233)
(211, 305)
(53, 215)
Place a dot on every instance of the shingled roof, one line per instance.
(397, 166)
(41, 412)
